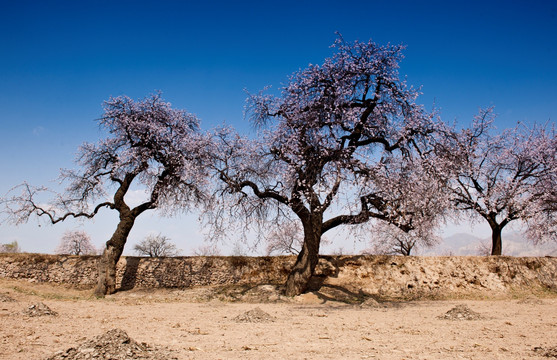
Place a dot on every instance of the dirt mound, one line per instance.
(531, 300)
(547, 352)
(461, 312)
(371, 303)
(263, 294)
(6, 298)
(114, 345)
(254, 316)
(39, 309)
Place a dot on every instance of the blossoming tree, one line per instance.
(320, 146)
(150, 145)
(503, 178)
(76, 242)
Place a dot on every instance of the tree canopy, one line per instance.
(76, 242)
(150, 145)
(504, 177)
(156, 246)
(322, 144)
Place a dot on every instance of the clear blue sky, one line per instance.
(59, 60)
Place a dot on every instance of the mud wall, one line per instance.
(386, 276)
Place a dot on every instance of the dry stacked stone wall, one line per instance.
(386, 276)
(143, 272)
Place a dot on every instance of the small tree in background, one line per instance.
(207, 250)
(12, 247)
(75, 242)
(391, 240)
(156, 246)
(287, 240)
(483, 248)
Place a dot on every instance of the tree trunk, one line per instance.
(496, 243)
(301, 273)
(106, 282)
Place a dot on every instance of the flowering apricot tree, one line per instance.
(151, 145)
(321, 144)
(503, 178)
(76, 242)
(391, 240)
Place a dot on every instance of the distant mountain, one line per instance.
(514, 244)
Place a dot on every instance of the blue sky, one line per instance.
(59, 60)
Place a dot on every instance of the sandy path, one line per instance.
(306, 328)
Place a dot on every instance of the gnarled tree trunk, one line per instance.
(106, 282)
(301, 273)
(496, 230)
(496, 242)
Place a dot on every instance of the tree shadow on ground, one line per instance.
(341, 294)
(336, 293)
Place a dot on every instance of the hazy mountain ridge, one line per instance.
(514, 244)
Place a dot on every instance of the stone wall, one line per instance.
(386, 276)
(143, 272)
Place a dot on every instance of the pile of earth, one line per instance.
(461, 312)
(254, 316)
(372, 303)
(531, 300)
(39, 309)
(6, 298)
(112, 345)
(547, 352)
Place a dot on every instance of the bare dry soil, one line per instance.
(46, 321)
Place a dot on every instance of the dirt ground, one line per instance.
(38, 321)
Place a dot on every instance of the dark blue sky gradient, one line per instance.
(59, 60)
